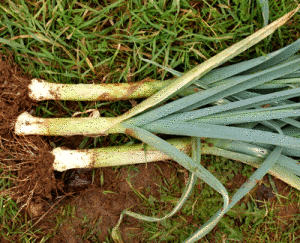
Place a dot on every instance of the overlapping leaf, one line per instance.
(180, 118)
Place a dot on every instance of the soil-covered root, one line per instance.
(24, 160)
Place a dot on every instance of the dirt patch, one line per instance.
(237, 181)
(97, 207)
(26, 156)
(288, 214)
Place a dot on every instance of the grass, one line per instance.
(13, 224)
(84, 42)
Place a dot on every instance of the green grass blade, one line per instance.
(11, 43)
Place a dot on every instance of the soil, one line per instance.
(95, 197)
(27, 155)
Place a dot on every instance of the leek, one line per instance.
(266, 148)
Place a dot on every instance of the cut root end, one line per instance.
(71, 159)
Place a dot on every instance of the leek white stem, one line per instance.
(66, 159)
(113, 156)
(41, 90)
(27, 124)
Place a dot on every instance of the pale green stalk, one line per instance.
(66, 159)
(27, 124)
(41, 90)
(114, 156)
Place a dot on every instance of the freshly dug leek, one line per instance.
(65, 159)
(249, 126)
(113, 156)
(27, 124)
(41, 90)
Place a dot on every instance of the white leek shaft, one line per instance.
(27, 124)
(72, 159)
(113, 156)
(135, 154)
(41, 90)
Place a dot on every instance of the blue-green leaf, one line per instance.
(224, 132)
(264, 4)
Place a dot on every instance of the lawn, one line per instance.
(103, 42)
